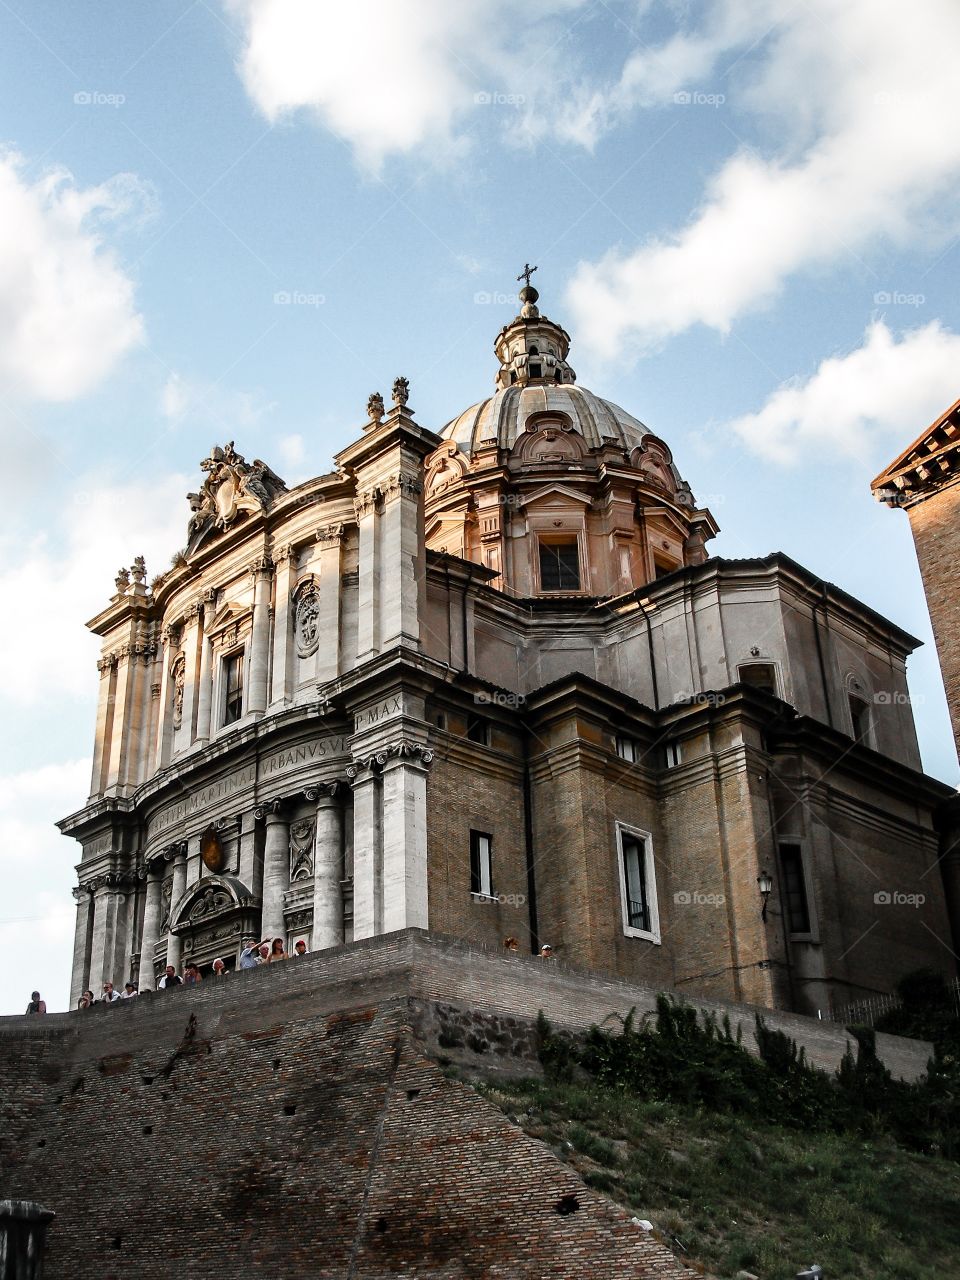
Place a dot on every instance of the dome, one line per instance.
(503, 417)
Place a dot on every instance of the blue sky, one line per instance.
(744, 212)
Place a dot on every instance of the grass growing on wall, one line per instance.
(762, 1164)
(735, 1193)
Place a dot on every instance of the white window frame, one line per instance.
(650, 883)
(673, 753)
(485, 864)
(221, 694)
(628, 749)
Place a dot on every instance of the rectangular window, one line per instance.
(233, 687)
(859, 718)
(559, 566)
(795, 888)
(478, 730)
(671, 751)
(761, 675)
(481, 847)
(628, 749)
(638, 885)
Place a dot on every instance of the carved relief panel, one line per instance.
(302, 834)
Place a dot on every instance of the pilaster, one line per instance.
(405, 838)
(262, 572)
(367, 847)
(330, 539)
(284, 657)
(82, 939)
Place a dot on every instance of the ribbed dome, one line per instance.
(503, 417)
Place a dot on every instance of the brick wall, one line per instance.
(936, 531)
(287, 1122)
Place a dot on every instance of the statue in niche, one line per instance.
(307, 622)
(301, 849)
(179, 681)
(166, 900)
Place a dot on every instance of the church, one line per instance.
(488, 681)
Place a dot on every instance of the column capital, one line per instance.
(330, 534)
(262, 567)
(365, 501)
(271, 810)
(325, 793)
(401, 484)
(407, 752)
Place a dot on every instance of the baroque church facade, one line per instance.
(489, 682)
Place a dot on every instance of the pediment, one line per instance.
(553, 492)
(229, 615)
(215, 897)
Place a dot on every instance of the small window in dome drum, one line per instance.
(559, 566)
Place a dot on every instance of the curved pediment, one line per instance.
(212, 898)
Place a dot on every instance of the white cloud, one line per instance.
(392, 77)
(857, 102)
(884, 391)
(103, 527)
(223, 409)
(67, 310)
(64, 787)
(38, 923)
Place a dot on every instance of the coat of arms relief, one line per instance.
(232, 486)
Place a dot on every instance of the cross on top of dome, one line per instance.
(532, 349)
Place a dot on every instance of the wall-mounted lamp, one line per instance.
(765, 881)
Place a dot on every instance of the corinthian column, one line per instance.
(260, 640)
(328, 872)
(150, 933)
(276, 871)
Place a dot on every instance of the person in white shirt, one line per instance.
(109, 994)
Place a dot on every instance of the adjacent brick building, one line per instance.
(489, 681)
(925, 482)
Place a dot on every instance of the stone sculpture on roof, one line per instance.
(231, 486)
